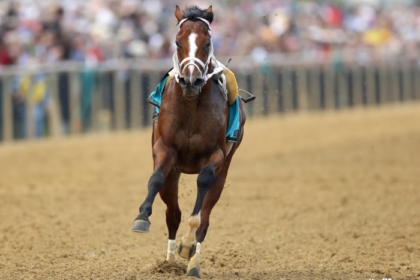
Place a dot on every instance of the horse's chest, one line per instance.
(199, 138)
(194, 130)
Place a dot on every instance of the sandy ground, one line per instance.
(319, 196)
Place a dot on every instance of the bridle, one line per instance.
(193, 60)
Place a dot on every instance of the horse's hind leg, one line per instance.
(211, 198)
(199, 220)
(205, 181)
(210, 201)
(169, 195)
(188, 243)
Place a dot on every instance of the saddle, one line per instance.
(230, 96)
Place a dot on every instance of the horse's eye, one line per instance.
(207, 46)
(178, 44)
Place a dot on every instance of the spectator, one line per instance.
(30, 91)
(100, 30)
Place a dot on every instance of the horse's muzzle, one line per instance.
(190, 86)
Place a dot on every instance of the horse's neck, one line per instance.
(210, 92)
(210, 101)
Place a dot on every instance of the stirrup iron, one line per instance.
(249, 98)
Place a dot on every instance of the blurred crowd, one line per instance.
(49, 31)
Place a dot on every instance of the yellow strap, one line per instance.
(231, 86)
(168, 81)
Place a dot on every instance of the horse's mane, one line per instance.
(193, 13)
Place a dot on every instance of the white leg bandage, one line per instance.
(171, 250)
(198, 248)
(197, 252)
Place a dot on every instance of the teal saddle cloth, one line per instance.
(232, 131)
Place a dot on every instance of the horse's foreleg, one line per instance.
(163, 164)
(156, 182)
(169, 195)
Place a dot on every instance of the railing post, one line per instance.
(384, 84)
(343, 89)
(54, 119)
(136, 116)
(370, 87)
(30, 113)
(377, 82)
(258, 90)
(329, 88)
(393, 84)
(97, 102)
(7, 118)
(294, 88)
(302, 88)
(250, 88)
(280, 91)
(119, 100)
(264, 96)
(407, 85)
(314, 88)
(288, 98)
(350, 88)
(145, 86)
(75, 119)
(416, 76)
(400, 84)
(1, 109)
(358, 86)
(321, 89)
(272, 92)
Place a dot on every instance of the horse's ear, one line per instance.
(209, 14)
(178, 14)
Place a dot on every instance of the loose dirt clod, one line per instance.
(169, 268)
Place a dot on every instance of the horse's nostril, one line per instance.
(198, 82)
(182, 81)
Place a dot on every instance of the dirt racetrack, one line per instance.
(317, 196)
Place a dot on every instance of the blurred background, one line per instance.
(74, 66)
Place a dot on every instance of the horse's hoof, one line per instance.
(141, 226)
(186, 252)
(194, 274)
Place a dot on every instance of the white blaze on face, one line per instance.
(193, 50)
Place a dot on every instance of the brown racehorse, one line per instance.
(190, 137)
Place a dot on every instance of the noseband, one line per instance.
(193, 60)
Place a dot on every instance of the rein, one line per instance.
(193, 60)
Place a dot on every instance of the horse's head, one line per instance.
(194, 48)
